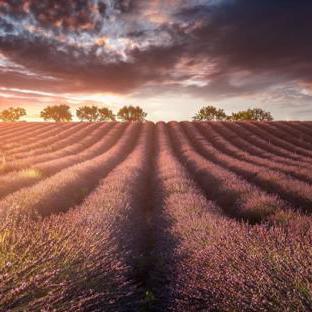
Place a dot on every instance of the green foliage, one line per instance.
(93, 113)
(58, 113)
(213, 113)
(256, 114)
(210, 113)
(12, 114)
(131, 113)
(149, 300)
(106, 114)
(88, 113)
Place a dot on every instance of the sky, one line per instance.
(170, 57)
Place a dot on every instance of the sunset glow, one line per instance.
(156, 155)
(169, 56)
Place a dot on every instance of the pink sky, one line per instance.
(170, 57)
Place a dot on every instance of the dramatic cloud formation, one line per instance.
(218, 51)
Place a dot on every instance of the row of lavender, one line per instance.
(243, 189)
(218, 264)
(32, 135)
(78, 260)
(195, 249)
(40, 139)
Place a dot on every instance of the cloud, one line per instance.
(213, 49)
(260, 35)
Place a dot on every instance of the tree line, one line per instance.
(62, 113)
(213, 113)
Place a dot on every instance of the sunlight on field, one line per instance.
(4, 235)
(2, 161)
(31, 173)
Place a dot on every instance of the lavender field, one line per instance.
(179, 216)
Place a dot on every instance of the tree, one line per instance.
(12, 114)
(210, 113)
(58, 113)
(89, 113)
(93, 113)
(106, 114)
(131, 113)
(256, 114)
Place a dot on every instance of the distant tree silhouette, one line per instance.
(93, 113)
(89, 113)
(210, 113)
(58, 113)
(106, 114)
(213, 113)
(256, 114)
(12, 114)
(131, 113)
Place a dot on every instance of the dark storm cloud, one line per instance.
(120, 46)
(73, 75)
(53, 13)
(259, 35)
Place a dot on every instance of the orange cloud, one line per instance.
(101, 41)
